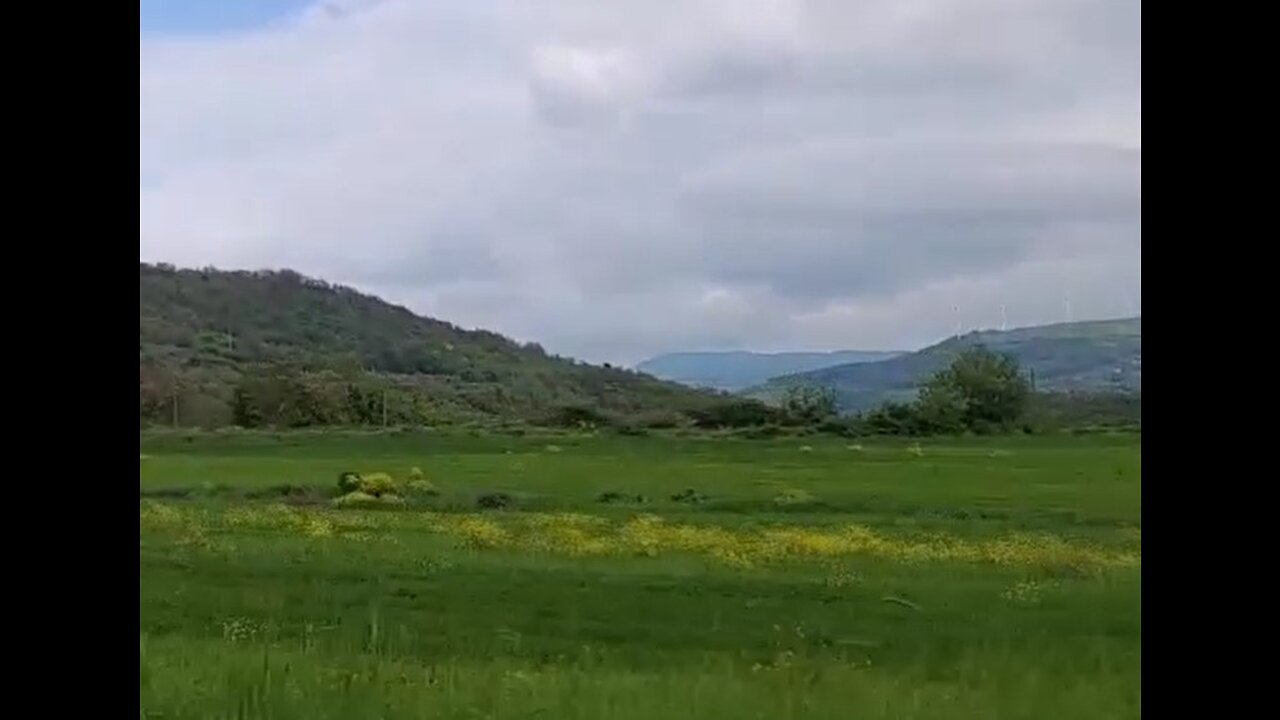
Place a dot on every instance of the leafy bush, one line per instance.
(494, 501)
(809, 405)
(736, 414)
(763, 432)
(355, 499)
(577, 416)
(610, 496)
(375, 484)
(418, 484)
(348, 482)
(422, 487)
(378, 484)
(359, 499)
(894, 419)
(285, 491)
(689, 496)
(841, 427)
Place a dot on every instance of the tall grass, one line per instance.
(252, 609)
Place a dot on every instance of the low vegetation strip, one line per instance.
(647, 535)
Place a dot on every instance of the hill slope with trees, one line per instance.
(276, 348)
(1099, 357)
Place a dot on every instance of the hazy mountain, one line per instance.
(739, 370)
(1095, 356)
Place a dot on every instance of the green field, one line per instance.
(987, 578)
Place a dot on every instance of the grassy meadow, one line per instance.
(801, 578)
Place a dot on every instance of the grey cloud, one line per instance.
(747, 73)
(664, 175)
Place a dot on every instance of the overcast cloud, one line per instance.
(618, 179)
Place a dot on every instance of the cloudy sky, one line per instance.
(620, 179)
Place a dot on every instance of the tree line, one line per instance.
(979, 392)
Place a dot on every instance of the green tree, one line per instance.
(941, 408)
(982, 388)
(244, 413)
(809, 404)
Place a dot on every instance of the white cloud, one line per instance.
(650, 176)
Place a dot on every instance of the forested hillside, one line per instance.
(274, 347)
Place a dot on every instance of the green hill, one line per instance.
(283, 345)
(1084, 357)
(738, 370)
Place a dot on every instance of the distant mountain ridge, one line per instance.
(1093, 356)
(737, 370)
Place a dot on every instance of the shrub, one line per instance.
(689, 496)
(285, 491)
(735, 414)
(809, 405)
(841, 427)
(375, 484)
(422, 487)
(378, 484)
(763, 432)
(361, 499)
(355, 499)
(894, 419)
(348, 482)
(166, 493)
(494, 501)
(611, 496)
(577, 416)
(418, 483)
